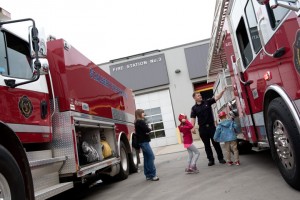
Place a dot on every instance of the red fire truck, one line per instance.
(255, 50)
(63, 120)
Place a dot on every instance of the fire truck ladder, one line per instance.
(45, 172)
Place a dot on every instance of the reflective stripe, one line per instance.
(259, 119)
(29, 128)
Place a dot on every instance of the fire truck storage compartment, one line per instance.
(95, 143)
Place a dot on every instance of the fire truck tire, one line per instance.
(11, 180)
(284, 139)
(124, 165)
(134, 160)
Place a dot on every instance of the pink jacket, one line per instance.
(185, 129)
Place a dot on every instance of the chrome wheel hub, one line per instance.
(124, 160)
(134, 156)
(282, 145)
(4, 189)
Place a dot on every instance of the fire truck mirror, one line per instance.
(44, 66)
(291, 5)
(37, 39)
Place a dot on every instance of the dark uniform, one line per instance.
(207, 128)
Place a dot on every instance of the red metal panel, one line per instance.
(14, 111)
(283, 70)
(79, 82)
(35, 137)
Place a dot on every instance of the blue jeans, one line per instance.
(149, 167)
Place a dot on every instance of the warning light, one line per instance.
(268, 76)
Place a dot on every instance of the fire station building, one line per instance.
(163, 82)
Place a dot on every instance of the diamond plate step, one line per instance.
(39, 155)
(47, 161)
(45, 174)
(53, 190)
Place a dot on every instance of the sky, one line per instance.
(105, 30)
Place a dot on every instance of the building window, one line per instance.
(153, 117)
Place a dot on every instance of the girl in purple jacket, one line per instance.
(185, 130)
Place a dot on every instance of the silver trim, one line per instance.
(47, 161)
(291, 105)
(52, 91)
(96, 119)
(25, 128)
(101, 164)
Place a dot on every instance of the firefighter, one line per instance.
(203, 111)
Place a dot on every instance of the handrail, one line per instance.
(246, 83)
(261, 37)
(278, 53)
(52, 91)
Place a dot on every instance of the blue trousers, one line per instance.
(149, 167)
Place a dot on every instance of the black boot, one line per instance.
(211, 163)
(222, 161)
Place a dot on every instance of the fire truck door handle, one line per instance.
(278, 53)
(43, 109)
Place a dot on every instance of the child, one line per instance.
(225, 132)
(185, 130)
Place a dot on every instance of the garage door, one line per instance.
(160, 116)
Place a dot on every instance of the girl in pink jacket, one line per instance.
(185, 130)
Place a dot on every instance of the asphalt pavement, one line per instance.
(175, 148)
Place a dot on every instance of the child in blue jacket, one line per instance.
(225, 132)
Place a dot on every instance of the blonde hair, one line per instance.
(138, 114)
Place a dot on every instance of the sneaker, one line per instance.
(155, 178)
(195, 170)
(222, 161)
(237, 163)
(148, 178)
(229, 163)
(189, 170)
(211, 163)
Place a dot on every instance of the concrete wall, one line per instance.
(181, 87)
(180, 81)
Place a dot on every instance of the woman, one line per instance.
(142, 132)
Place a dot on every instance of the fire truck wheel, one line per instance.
(284, 139)
(11, 180)
(124, 165)
(134, 160)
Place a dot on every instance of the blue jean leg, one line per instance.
(149, 167)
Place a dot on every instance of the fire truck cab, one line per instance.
(63, 120)
(258, 43)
